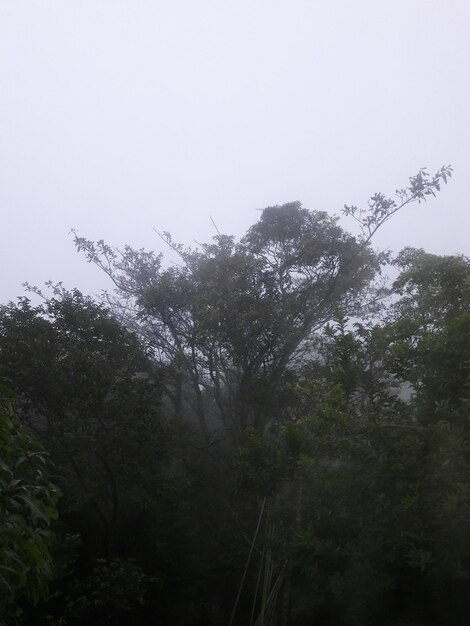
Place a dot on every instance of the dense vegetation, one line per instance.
(265, 432)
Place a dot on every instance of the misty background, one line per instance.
(118, 117)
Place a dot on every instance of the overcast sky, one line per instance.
(117, 116)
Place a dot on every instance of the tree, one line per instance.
(91, 394)
(232, 318)
(367, 516)
(430, 324)
(380, 525)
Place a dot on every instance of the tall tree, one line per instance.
(231, 319)
(91, 394)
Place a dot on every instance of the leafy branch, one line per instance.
(380, 208)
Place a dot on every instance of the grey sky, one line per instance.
(119, 116)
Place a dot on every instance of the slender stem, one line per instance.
(242, 582)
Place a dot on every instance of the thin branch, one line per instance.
(215, 225)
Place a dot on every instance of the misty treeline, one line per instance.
(264, 431)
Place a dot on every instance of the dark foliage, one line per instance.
(232, 447)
